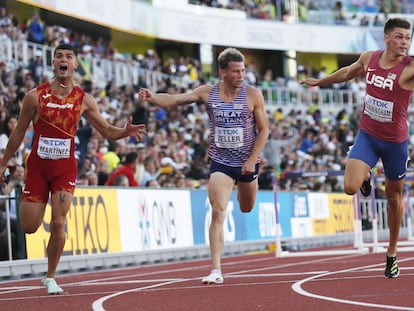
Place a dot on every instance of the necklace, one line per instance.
(62, 85)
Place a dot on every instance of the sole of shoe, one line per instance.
(212, 282)
(393, 276)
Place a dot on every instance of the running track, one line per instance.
(251, 282)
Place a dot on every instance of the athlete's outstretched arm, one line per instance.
(91, 109)
(166, 100)
(343, 74)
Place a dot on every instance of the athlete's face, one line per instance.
(398, 41)
(234, 74)
(65, 63)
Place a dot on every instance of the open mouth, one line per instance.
(63, 68)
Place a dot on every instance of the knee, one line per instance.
(218, 215)
(57, 225)
(350, 188)
(29, 227)
(246, 208)
(246, 204)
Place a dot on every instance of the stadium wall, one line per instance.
(114, 220)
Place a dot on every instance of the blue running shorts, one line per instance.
(234, 172)
(394, 156)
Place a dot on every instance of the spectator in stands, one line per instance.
(121, 181)
(4, 77)
(112, 155)
(36, 66)
(103, 172)
(151, 61)
(128, 168)
(11, 124)
(383, 124)
(140, 168)
(236, 113)
(302, 11)
(364, 20)
(51, 166)
(151, 171)
(35, 29)
(378, 22)
(339, 13)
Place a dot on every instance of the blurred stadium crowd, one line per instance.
(344, 12)
(174, 153)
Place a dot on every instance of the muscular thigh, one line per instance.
(220, 187)
(31, 215)
(247, 190)
(60, 202)
(394, 158)
(365, 148)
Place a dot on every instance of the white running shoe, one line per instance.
(214, 277)
(52, 287)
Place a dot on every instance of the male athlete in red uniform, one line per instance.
(383, 130)
(55, 108)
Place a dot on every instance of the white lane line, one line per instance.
(297, 287)
(98, 304)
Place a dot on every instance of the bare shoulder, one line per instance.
(410, 65)
(252, 89)
(365, 57)
(254, 96)
(31, 98)
(89, 102)
(32, 93)
(203, 92)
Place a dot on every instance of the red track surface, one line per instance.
(251, 282)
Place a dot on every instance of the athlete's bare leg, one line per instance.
(356, 171)
(60, 202)
(219, 191)
(31, 215)
(395, 200)
(246, 195)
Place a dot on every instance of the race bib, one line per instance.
(378, 109)
(228, 138)
(53, 148)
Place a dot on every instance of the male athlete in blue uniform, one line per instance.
(238, 133)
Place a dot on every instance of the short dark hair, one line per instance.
(393, 23)
(229, 55)
(66, 46)
(130, 157)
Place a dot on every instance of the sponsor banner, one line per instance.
(234, 227)
(262, 219)
(104, 220)
(259, 224)
(334, 213)
(342, 213)
(92, 225)
(154, 219)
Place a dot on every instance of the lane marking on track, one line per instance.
(297, 287)
(97, 305)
